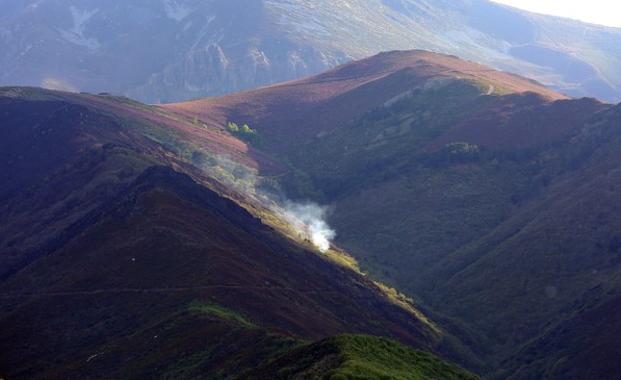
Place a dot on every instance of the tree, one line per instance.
(233, 127)
(246, 129)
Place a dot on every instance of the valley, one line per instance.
(121, 239)
(474, 214)
(491, 210)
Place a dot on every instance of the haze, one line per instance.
(603, 12)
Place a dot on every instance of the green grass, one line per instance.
(219, 312)
(367, 357)
(358, 357)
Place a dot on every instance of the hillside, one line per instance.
(482, 195)
(297, 111)
(357, 357)
(127, 250)
(174, 50)
(588, 336)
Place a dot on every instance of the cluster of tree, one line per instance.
(244, 129)
(244, 132)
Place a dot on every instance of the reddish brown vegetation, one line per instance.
(304, 108)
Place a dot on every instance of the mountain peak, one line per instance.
(431, 64)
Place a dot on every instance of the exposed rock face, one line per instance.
(209, 70)
(171, 50)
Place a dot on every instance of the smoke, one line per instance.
(309, 220)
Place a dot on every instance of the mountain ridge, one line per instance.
(141, 240)
(492, 210)
(207, 49)
(356, 87)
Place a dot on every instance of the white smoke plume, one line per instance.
(309, 220)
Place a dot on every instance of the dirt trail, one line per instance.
(158, 290)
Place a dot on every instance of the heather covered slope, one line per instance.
(174, 50)
(125, 255)
(52, 141)
(294, 112)
(496, 209)
(589, 336)
(164, 249)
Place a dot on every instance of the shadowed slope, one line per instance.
(584, 346)
(494, 208)
(162, 243)
(123, 257)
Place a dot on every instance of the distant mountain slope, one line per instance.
(497, 209)
(294, 112)
(123, 254)
(173, 50)
(588, 336)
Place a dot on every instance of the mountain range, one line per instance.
(474, 210)
(174, 50)
(293, 189)
(485, 196)
(122, 257)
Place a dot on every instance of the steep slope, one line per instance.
(586, 337)
(484, 196)
(173, 50)
(122, 258)
(556, 258)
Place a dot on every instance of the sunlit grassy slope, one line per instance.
(359, 357)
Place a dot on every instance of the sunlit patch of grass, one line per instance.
(277, 222)
(343, 259)
(406, 303)
(367, 357)
(219, 312)
(359, 357)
